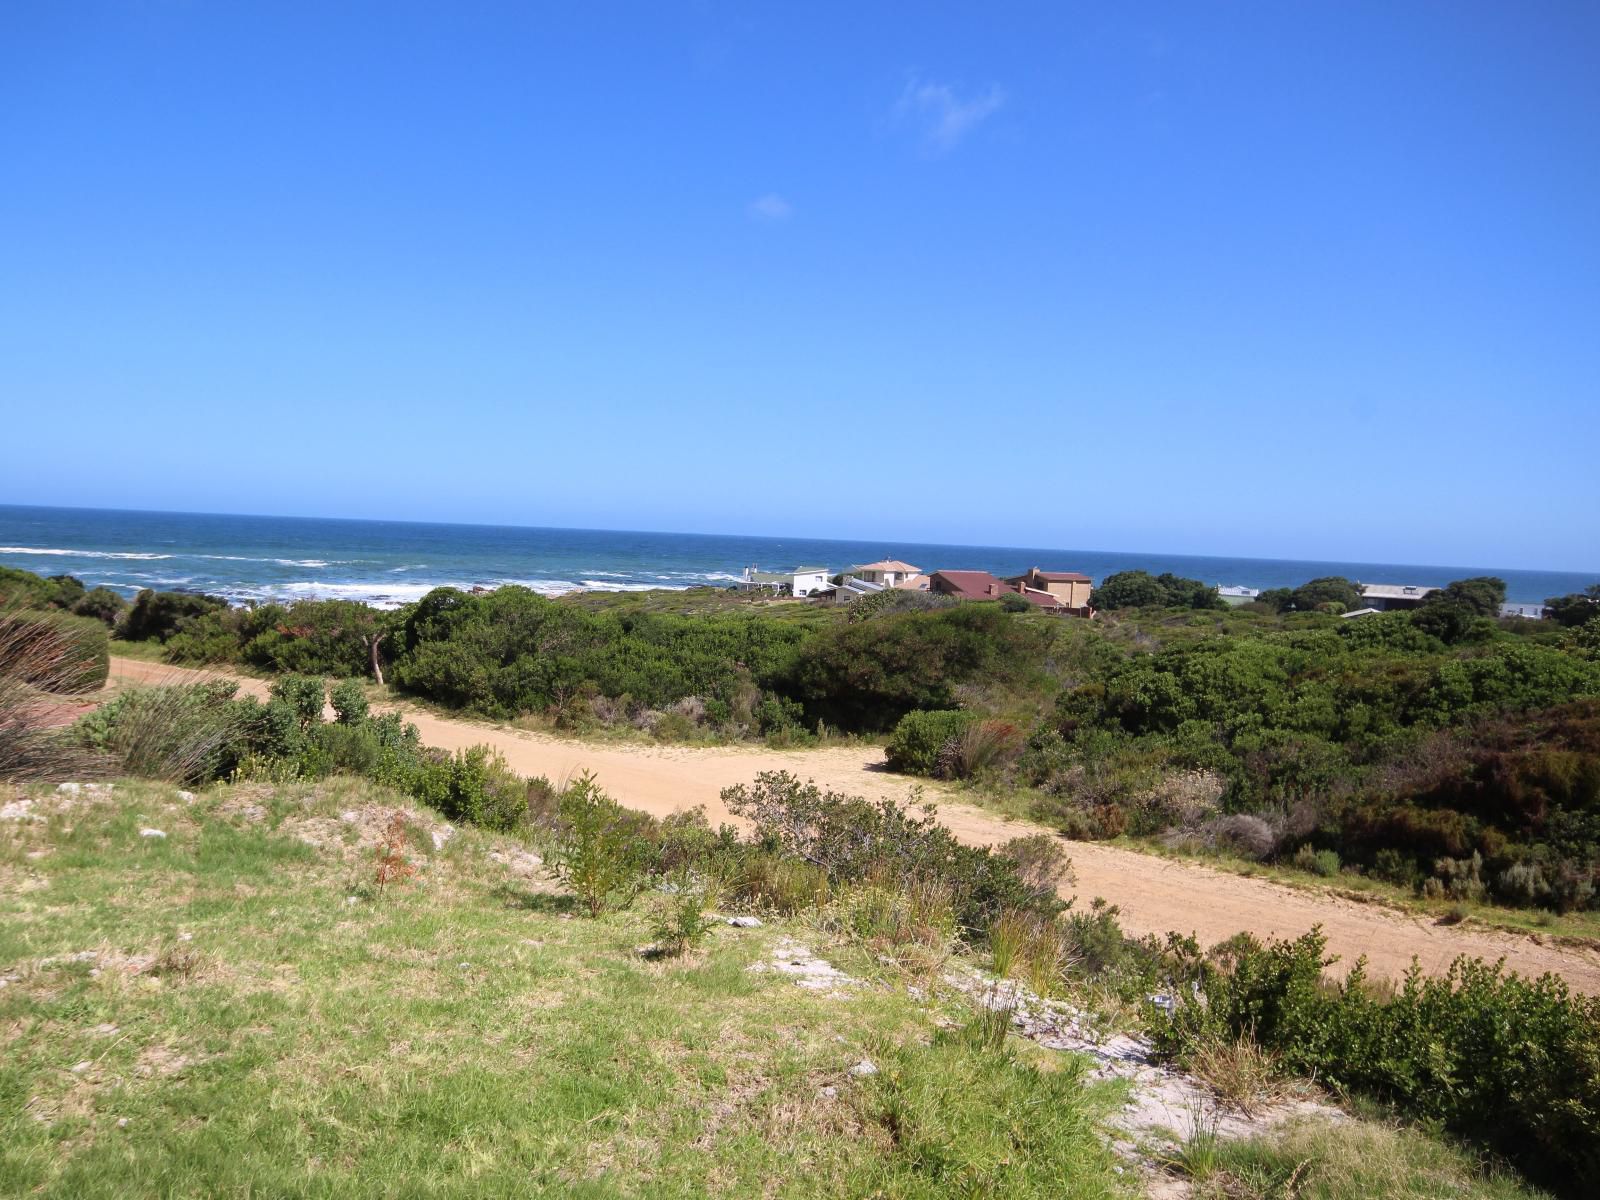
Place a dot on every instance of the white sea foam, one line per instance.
(377, 593)
(80, 553)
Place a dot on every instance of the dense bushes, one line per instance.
(852, 840)
(1140, 589)
(1362, 737)
(867, 676)
(1510, 1062)
(24, 589)
(156, 616)
(920, 737)
(324, 637)
(512, 651)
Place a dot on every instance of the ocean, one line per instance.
(388, 563)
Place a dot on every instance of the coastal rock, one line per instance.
(806, 969)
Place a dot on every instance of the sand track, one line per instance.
(1155, 894)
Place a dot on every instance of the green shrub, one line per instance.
(156, 616)
(853, 840)
(480, 789)
(1140, 589)
(102, 604)
(865, 676)
(1512, 1063)
(349, 699)
(597, 849)
(304, 696)
(682, 924)
(1316, 862)
(921, 737)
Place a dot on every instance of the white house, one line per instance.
(888, 572)
(1386, 597)
(802, 581)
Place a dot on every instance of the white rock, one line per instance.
(441, 836)
(122, 1122)
(186, 937)
(352, 899)
(829, 1092)
(80, 1068)
(101, 789)
(152, 833)
(70, 789)
(17, 810)
(187, 798)
(745, 922)
(864, 1068)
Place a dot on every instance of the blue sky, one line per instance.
(1312, 280)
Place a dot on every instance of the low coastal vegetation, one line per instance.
(152, 876)
(1441, 750)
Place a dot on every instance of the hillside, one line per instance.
(212, 994)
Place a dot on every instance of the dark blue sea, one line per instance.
(391, 562)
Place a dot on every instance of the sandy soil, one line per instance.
(1155, 894)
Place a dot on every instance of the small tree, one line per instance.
(600, 852)
(349, 700)
(1576, 608)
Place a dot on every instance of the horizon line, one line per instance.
(163, 512)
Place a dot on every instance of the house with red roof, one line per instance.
(967, 585)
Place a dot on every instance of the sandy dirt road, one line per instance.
(1155, 894)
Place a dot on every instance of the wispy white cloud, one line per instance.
(944, 116)
(771, 207)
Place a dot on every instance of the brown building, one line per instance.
(1069, 588)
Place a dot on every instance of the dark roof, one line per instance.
(971, 585)
(1052, 576)
(1042, 599)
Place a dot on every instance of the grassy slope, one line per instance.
(466, 1034)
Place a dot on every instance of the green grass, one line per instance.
(239, 1026)
(1356, 1161)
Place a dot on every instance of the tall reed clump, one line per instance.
(189, 734)
(45, 657)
